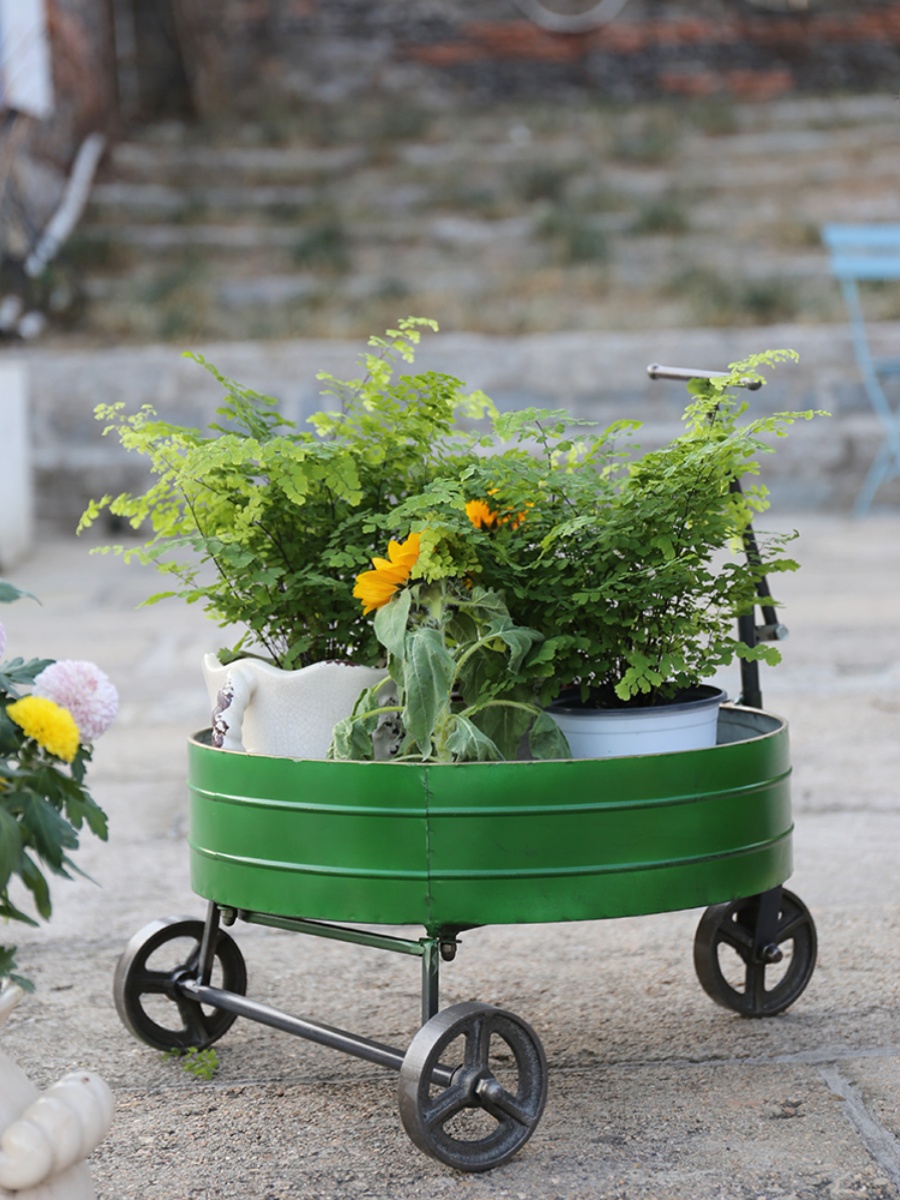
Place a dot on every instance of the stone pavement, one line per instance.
(654, 1090)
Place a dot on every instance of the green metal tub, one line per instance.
(494, 843)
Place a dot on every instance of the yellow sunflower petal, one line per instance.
(405, 553)
(393, 571)
(373, 589)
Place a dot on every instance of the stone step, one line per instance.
(217, 238)
(151, 162)
(160, 202)
(634, 259)
(595, 376)
(506, 220)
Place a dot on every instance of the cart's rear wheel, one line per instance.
(755, 982)
(146, 989)
(495, 1096)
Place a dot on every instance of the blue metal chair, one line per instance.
(859, 254)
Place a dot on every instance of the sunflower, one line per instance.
(375, 588)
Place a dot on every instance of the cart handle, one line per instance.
(658, 371)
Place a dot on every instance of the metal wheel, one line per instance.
(571, 16)
(148, 998)
(755, 982)
(473, 1086)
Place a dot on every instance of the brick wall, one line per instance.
(335, 49)
(249, 53)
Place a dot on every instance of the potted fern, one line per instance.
(615, 564)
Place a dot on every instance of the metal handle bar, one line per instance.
(657, 371)
(749, 632)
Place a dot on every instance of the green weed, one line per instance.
(202, 1064)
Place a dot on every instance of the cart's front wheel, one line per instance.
(147, 992)
(752, 979)
(473, 1086)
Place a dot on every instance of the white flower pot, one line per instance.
(260, 709)
(46, 1136)
(684, 724)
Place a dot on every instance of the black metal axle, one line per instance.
(312, 1031)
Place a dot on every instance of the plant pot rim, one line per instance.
(704, 695)
(266, 666)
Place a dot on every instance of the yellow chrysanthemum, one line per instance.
(375, 588)
(51, 726)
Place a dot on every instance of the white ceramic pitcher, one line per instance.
(261, 709)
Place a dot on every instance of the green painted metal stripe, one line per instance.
(270, 864)
(494, 872)
(269, 802)
(612, 868)
(490, 810)
(545, 810)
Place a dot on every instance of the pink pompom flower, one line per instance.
(84, 690)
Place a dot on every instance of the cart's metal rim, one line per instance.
(201, 740)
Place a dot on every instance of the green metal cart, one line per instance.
(344, 849)
(333, 849)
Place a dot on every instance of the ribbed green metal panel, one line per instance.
(494, 843)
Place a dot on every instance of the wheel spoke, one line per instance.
(738, 937)
(478, 1041)
(445, 1106)
(755, 985)
(496, 1100)
(791, 927)
(195, 1024)
(157, 983)
(191, 965)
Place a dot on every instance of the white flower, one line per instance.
(2, 638)
(84, 690)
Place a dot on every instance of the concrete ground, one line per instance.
(654, 1090)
